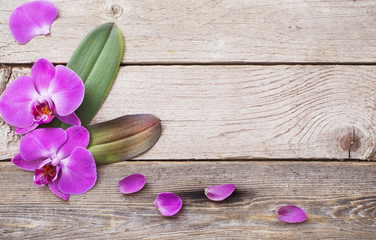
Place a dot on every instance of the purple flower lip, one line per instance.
(219, 192)
(31, 19)
(49, 92)
(168, 204)
(132, 183)
(291, 214)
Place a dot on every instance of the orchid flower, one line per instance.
(59, 158)
(49, 92)
(32, 19)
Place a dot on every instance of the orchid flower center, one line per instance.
(45, 174)
(49, 171)
(43, 111)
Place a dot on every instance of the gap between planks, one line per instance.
(215, 64)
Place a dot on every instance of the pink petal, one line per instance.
(291, 214)
(26, 165)
(26, 130)
(66, 90)
(131, 184)
(16, 100)
(168, 203)
(71, 119)
(32, 19)
(78, 172)
(219, 192)
(42, 73)
(42, 143)
(77, 136)
(54, 188)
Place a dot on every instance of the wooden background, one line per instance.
(277, 97)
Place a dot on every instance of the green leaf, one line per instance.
(96, 60)
(123, 138)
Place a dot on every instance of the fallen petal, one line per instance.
(131, 184)
(291, 214)
(32, 19)
(168, 203)
(219, 192)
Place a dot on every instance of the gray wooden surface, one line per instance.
(277, 97)
(339, 198)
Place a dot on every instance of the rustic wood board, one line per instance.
(206, 31)
(243, 112)
(339, 198)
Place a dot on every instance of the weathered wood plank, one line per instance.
(246, 112)
(339, 198)
(208, 31)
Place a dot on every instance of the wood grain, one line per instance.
(339, 198)
(244, 112)
(206, 31)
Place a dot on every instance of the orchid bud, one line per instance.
(123, 138)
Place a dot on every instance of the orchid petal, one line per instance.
(42, 73)
(132, 183)
(66, 91)
(77, 136)
(55, 189)
(78, 172)
(291, 214)
(71, 119)
(25, 130)
(168, 203)
(26, 165)
(32, 19)
(15, 102)
(42, 143)
(219, 192)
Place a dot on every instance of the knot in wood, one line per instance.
(115, 10)
(350, 141)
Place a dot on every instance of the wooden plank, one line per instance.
(208, 31)
(244, 112)
(339, 198)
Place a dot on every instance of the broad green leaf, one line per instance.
(96, 60)
(123, 138)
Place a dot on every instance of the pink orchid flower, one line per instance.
(49, 92)
(59, 158)
(32, 19)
